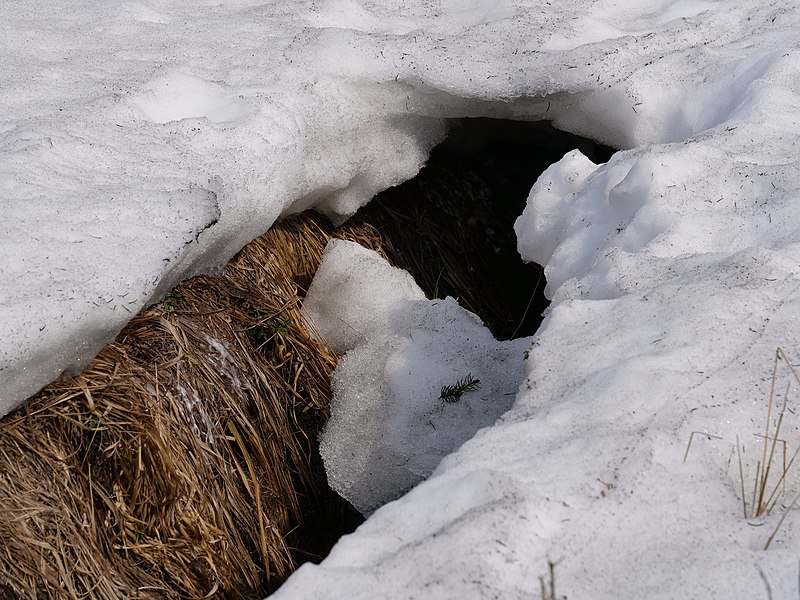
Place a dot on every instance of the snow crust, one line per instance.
(144, 141)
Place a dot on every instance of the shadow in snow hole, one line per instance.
(452, 226)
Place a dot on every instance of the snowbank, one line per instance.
(141, 142)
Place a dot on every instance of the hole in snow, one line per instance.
(452, 225)
(420, 377)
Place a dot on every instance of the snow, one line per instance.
(142, 142)
(178, 96)
(390, 426)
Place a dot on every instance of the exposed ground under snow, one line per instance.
(142, 142)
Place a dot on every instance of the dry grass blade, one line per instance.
(780, 522)
(741, 476)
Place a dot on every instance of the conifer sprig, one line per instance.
(453, 393)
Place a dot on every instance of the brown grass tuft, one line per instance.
(182, 462)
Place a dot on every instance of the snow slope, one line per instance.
(144, 141)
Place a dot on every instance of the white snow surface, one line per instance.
(142, 142)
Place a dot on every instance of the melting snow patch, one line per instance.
(194, 410)
(420, 376)
(223, 362)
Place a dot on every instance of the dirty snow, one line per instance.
(145, 141)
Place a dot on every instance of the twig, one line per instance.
(691, 437)
(783, 518)
(766, 583)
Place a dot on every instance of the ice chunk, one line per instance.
(543, 222)
(354, 294)
(389, 427)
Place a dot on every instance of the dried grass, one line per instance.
(180, 463)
